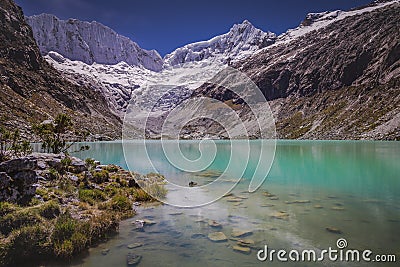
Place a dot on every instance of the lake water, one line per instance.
(352, 186)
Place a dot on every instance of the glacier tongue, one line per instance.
(89, 42)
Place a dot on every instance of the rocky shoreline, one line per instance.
(54, 206)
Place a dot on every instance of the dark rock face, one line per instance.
(357, 50)
(32, 91)
(17, 180)
(18, 165)
(339, 82)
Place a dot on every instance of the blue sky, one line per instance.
(166, 25)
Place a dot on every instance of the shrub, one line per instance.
(52, 174)
(11, 145)
(90, 163)
(101, 226)
(18, 219)
(50, 210)
(64, 228)
(64, 249)
(112, 168)
(91, 196)
(121, 203)
(156, 190)
(141, 195)
(6, 208)
(100, 176)
(28, 242)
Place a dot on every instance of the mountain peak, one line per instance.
(89, 42)
(226, 47)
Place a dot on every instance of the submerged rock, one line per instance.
(214, 224)
(298, 202)
(245, 250)
(241, 233)
(134, 245)
(133, 259)
(105, 251)
(148, 222)
(245, 242)
(334, 230)
(217, 237)
(281, 215)
(267, 205)
(198, 236)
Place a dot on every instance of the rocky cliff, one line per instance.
(33, 91)
(337, 76)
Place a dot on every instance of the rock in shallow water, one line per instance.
(240, 249)
(217, 237)
(133, 259)
(241, 233)
(134, 245)
(334, 230)
(214, 224)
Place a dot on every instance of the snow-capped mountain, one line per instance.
(83, 52)
(242, 39)
(89, 42)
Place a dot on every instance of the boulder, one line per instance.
(17, 165)
(4, 180)
(77, 165)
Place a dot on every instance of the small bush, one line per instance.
(91, 196)
(64, 228)
(6, 208)
(90, 163)
(112, 168)
(156, 190)
(50, 210)
(64, 249)
(28, 242)
(100, 176)
(121, 203)
(101, 226)
(52, 174)
(141, 195)
(18, 219)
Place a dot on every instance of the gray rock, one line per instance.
(17, 165)
(4, 180)
(78, 166)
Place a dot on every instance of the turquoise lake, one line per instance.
(351, 186)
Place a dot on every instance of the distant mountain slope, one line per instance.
(337, 76)
(32, 91)
(89, 42)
